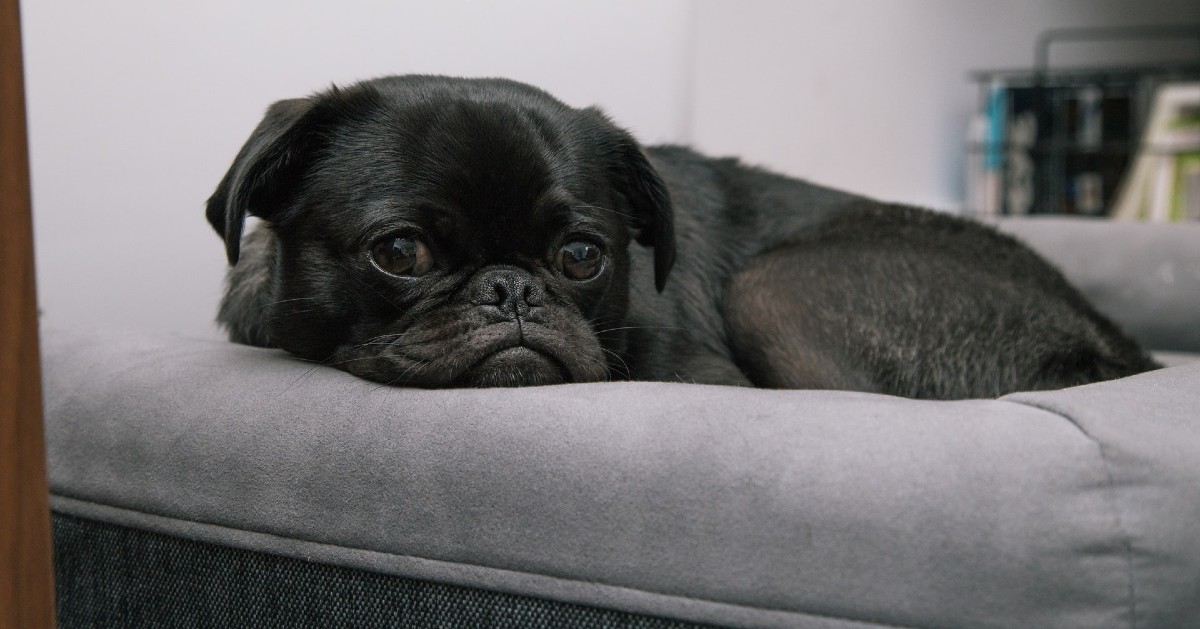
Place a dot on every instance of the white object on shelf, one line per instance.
(1160, 186)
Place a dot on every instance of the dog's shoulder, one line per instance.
(748, 207)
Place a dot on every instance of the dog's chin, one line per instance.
(515, 367)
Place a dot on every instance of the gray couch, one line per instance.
(200, 483)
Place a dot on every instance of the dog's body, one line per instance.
(444, 232)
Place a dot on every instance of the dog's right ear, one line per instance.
(265, 174)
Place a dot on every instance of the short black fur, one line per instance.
(709, 270)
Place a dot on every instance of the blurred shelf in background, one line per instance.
(1122, 142)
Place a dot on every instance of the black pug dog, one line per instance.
(439, 232)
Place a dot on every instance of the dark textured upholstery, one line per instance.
(113, 576)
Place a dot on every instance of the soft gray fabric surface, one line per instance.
(1174, 359)
(1144, 275)
(1076, 508)
(1147, 432)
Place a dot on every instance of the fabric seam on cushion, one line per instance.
(1111, 490)
(110, 508)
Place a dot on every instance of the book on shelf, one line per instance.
(1164, 181)
(1056, 144)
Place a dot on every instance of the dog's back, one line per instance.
(820, 289)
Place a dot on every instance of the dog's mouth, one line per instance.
(515, 366)
(497, 355)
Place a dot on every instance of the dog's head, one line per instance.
(439, 232)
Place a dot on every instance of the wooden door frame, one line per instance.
(26, 570)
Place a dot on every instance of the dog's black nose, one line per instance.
(513, 292)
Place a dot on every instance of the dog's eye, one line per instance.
(579, 260)
(402, 256)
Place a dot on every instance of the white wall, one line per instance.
(873, 95)
(137, 107)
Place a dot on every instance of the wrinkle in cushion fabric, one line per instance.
(1075, 508)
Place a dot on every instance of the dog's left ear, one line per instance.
(264, 172)
(644, 191)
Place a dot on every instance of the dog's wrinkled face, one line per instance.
(440, 232)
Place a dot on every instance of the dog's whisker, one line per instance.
(604, 209)
(408, 370)
(284, 301)
(392, 336)
(349, 360)
(275, 316)
(624, 365)
(641, 327)
(303, 376)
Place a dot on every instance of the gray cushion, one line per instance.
(1144, 275)
(1075, 508)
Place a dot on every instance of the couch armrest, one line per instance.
(1146, 276)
